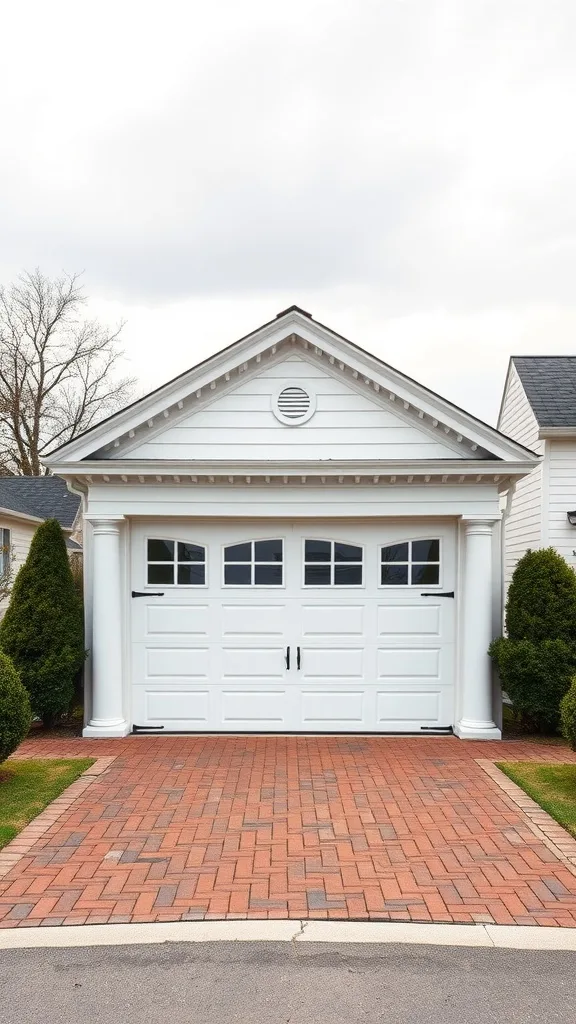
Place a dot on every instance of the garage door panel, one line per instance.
(333, 620)
(408, 708)
(412, 663)
(253, 619)
(253, 662)
(334, 707)
(170, 663)
(332, 663)
(409, 620)
(177, 705)
(187, 620)
(246, 706)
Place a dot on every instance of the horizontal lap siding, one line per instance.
(562, 498)
(21, 534)
(524, 525)
(241, 425)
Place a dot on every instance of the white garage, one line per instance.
(291, 537)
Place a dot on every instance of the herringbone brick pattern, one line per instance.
(274, 827)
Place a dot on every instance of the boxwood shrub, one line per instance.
(15, 713)
(536, 659)
(42, 630)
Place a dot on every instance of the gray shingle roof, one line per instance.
(46, 497)
(550, 386)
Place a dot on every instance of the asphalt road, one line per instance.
(280, 983)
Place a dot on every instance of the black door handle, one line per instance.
(449, 593)
(143, 593)
(287, 657)
(298, 659)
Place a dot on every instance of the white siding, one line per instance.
(562, 497)
(21, 534)
(241, 426)
(523, 527)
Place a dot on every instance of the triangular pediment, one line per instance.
(226, 410)
(346, 420)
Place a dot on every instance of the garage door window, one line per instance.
(329, 563)
(175, 563)
(254, 563)
(414, 563)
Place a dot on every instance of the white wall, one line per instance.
(523, 528)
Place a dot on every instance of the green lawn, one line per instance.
(26, 787)
(553, 786)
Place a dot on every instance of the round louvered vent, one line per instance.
(293, 404)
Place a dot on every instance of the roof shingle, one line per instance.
(550, 386)
(46, 497)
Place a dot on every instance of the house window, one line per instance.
(176, 563)
(5, 546)
(330, 563)
(412, 563)
(254, 563)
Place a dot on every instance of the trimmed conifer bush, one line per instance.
(15, 713)
(537, 658)
(568, 715)
(42, 630)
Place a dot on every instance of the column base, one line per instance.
(467, 730)
(106, 729)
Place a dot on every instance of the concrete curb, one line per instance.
(295, 931)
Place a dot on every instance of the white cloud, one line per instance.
(403, 169)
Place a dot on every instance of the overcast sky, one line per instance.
(403, 169)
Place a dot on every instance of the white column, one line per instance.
(107, 677)
(476, 611)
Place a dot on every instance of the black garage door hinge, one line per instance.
(144, 593)
(449, 593)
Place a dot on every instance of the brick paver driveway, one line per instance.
(330, 827)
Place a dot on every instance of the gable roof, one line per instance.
(42, 497)
(291, 325)
(550, 386)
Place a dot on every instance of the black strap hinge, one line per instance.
(144, 593)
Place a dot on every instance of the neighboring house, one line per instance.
(25, 502)
(539, 410)
(292, 536)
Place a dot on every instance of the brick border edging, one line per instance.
(35, 829)
(542, 824)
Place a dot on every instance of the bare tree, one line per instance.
(58, 370)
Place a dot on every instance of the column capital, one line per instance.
(105, 524)
(481, 525)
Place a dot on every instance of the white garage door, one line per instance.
(282, 627)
